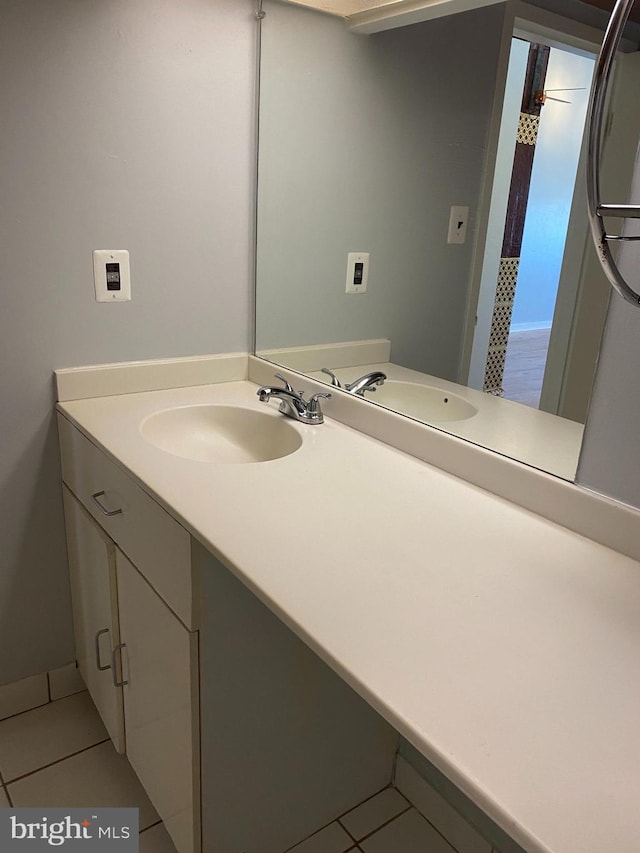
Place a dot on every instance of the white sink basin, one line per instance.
(219, 433)
(422, 401)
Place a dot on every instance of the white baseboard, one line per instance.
(37, 690)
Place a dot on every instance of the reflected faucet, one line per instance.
(368, 382)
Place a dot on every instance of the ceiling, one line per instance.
(346, 8)
(349, 8)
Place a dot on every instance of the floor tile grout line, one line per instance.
(350, 834)
(26, 711)
(57, 761)
(435, 828)
(41, 705)
(316, 831)
(348, 811)
(357, 806)
(366, 800)
(337, 820)
(151, 825)
(386, 823)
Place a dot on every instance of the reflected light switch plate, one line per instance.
(458, 219)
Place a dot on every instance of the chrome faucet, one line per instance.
(368, 382)
(293, 404)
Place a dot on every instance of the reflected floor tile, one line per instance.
(95, 777)
(409, 833)
(4, 802)
(44, 735)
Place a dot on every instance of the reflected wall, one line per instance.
(365, 143)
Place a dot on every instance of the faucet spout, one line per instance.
(288, 398)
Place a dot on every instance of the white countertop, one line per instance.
(504, 647)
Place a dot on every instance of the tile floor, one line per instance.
(59, 754)
(386, 823)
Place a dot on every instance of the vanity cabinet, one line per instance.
(137, 657)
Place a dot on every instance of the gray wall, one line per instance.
(125, 124)
(609, 462)
(365, 142)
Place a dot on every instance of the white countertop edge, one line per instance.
(596, 516)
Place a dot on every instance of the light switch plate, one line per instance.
(111, 275)
(458, 219)
(357, 272)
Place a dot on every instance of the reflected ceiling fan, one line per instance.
(542, 97)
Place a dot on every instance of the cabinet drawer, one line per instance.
(144, 531)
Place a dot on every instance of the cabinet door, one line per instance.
(160, 668)
(95, 618)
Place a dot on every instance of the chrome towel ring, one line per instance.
(596, 210)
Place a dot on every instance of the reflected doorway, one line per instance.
(563, 101)
(554, 94)
(541, 136)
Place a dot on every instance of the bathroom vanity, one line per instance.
(211, 698)
(274, 625)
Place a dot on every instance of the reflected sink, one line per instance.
(219, 433)
(423, 402)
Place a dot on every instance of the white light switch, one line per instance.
(111, 275)
(357, 272)
(458, 224)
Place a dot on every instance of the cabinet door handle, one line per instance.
(116, 649)
(98, 664)
(102, 507)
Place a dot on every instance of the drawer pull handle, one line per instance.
(98, 664)
(103, 508)
(116, 649)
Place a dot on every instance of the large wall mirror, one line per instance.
(399, 160)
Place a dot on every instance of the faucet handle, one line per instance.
(313, 412)
(286, 384)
